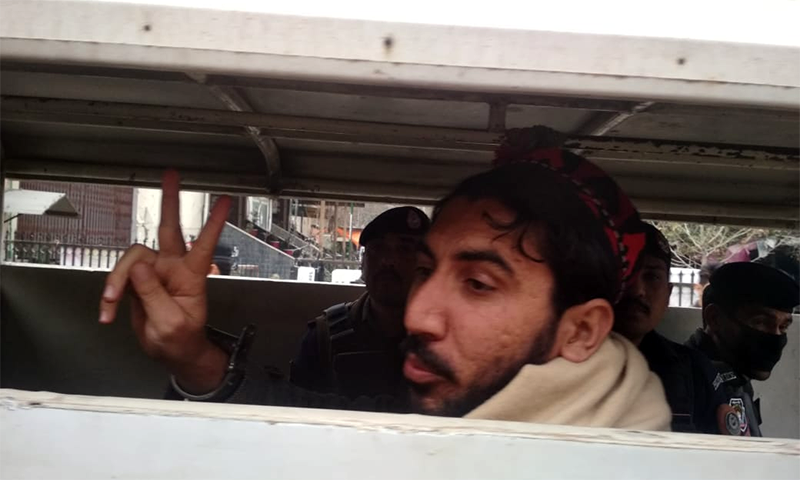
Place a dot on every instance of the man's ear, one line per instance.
(583, 328)
(711, 317)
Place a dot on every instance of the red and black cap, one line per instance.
(400, 221)
(656, 244)
(614, 211)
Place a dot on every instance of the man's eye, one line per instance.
(422, 272)
(405, 249)
(479, 286)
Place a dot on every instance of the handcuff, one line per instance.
(237, 349)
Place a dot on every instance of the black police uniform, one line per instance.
(687, 375)
(344, 352)
(743, 283)
(688, 379)
(737, 391)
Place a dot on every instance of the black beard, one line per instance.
(474, 397)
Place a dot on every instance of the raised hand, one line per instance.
(169, 302)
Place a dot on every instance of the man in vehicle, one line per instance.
(697, 403)
(509, 317)
(353, 348)
(747, 308)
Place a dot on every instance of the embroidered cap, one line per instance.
(657, 245)
(619, 219)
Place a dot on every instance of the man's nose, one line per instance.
(426, 310)
(637, 287)
(388, 259)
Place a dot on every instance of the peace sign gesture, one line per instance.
(169, 304)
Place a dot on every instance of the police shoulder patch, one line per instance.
(738, 408)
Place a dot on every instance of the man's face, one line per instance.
(730, 335)
(477, 312)
(645, 301)
(389, 268)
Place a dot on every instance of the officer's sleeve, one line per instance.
(709, 395)
(263, 386)
(306, 369)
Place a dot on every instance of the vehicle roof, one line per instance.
(261, 103)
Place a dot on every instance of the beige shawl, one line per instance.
(614, 388)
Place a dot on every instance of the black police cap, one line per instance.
(400, 220)
(747, 282)
(222, 250)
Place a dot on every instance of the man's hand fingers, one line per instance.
(170, 237)
(138, 317)
(118, 279)
(199, 257)
(155, 301)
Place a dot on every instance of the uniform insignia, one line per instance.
(738, 407)
(728, 376)
(728, 420)
(717, 381)
(413, 220)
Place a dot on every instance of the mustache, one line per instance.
(435, 363)
(633, 302)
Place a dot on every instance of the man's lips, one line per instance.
(416, 371)
(636, 307)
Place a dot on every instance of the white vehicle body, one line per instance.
(273, 104)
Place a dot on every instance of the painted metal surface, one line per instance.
(107, 359)
(366, 110)
(59, 436)
(196, 40)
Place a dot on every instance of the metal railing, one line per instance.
(106, 257)
(683, 290)
(66, 254)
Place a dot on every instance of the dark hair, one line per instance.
(569, 238)
(223, 258)
(708, 296)
(723, 302)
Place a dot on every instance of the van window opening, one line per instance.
(268, 238)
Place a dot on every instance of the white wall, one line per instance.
(148, 214)
(11, 225)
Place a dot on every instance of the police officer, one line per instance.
(688, 377)
(353, 348)
(747, 308)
